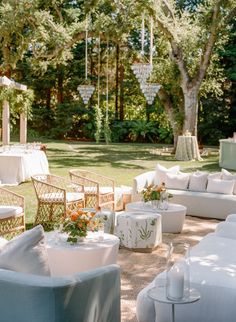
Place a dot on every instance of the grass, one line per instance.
(120, 161)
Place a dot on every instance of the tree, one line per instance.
(192, 37)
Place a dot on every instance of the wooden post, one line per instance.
(23, 128)
(6, 123)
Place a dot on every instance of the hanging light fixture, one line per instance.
(86, 91)
(150, 91)
(141, 70)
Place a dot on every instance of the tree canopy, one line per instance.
(42, 43)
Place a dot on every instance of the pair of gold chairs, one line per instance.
(12, 213)
(57, 195)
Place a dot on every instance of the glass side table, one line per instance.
(158, 294)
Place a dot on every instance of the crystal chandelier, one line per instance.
(143, 70)
(86, 91)
(150, 91)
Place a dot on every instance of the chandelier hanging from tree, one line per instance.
(86, 91)
(142, 71)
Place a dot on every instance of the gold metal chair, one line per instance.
(12, 214)
(56, 195)
(99, 191)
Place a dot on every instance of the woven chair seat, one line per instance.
(10, 211)
(59, 197)
(56, 196)
(102, 190)
(12, 216)
(99, 190)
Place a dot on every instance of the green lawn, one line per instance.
(119, 161)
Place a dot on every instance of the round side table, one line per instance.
(158, 294)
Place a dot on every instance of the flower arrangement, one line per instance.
(153, 192)
(78, 223)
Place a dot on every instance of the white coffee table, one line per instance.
(67, 259)
(172, 218)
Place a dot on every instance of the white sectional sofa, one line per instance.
(213, 273)
(211, 195)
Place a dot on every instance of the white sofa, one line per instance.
(214, 200)
(213, 273)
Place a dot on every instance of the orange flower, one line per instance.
(74, 217)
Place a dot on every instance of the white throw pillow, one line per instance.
(198, 181)
(177, 181)
(26, 253)
(214, 175)
(220, 186)
(226, 175)
(161, 171)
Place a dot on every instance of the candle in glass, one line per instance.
(176, 283)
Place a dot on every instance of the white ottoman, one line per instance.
(139, 231)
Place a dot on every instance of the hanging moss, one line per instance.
(98, 122)
(20, 101)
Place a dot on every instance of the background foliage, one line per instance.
(45, 49)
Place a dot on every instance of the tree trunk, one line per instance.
(168, 106)
(191, 110)
(121, 82)
(117, 81)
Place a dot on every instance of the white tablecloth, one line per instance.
(67, 259)
(17, 166)
(187, 149)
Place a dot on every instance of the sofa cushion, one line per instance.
(26, 253)
(198, 181)
(161, 171)
(220, 186)
(226, 175)
(226, 229)
(231, 218)
(177, 181)
(214, 175)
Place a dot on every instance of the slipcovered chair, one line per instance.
(92, 296)
(99, 191)
(12, 215)
(56, 196)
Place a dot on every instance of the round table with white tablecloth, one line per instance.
(187, 148)
(172, 219)
(18, 165)
(93, 252)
